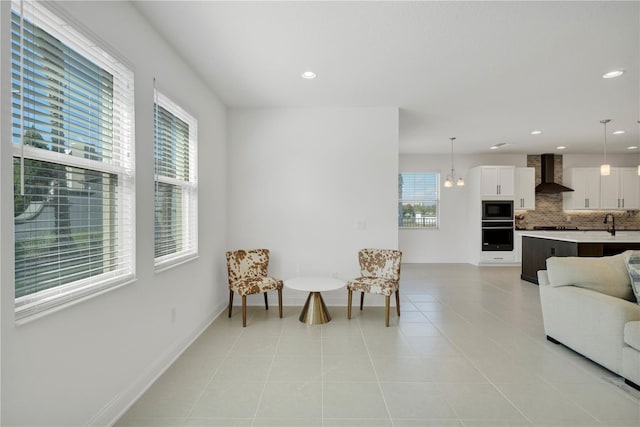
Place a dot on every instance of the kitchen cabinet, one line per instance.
(620, 190)
(525, 188)
(535, 252)
(536, 249)
(586, 188)
(497, 257)
(497, 180)
(517, 246)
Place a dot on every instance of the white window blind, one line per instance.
(73, 157)
(176, 183)
(418, 200)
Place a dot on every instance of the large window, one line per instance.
(176, 185)
(418, 200)
(73, 159)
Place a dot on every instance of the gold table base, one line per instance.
(314, 311)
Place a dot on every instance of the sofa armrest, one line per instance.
(543, 278)
(587, 321)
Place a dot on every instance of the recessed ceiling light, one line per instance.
(536, 132)
(632, 147)
(496, 146)
(618, 132)
(613, 74)
(561, 147)
(309, 75)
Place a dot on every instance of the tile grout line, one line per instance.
(204, 389)
(375, 372)
(468, 359)
(506, 350)
(264, 387)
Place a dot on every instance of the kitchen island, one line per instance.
(537, 246)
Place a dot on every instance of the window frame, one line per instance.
(189, 187)
(72, 35)
(419, 200)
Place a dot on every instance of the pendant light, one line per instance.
(450, 178)
(605, 168)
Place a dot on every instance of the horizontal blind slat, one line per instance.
(74, 225)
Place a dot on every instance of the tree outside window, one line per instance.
(418, 200)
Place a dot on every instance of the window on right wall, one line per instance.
(176, 184)
(418, 200)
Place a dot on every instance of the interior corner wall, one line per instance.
(85, 364)
(314, 185)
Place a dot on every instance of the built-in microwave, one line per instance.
(497, 210)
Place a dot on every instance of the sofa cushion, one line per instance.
(632, 334)
(607, 275)
(632, 260)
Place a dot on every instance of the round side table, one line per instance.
(314, 311)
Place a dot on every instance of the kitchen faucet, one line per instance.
(611, 229)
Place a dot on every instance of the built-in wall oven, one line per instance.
(497, 235)
(497, 225)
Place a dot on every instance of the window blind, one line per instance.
(176, 185)
(418, 200)
(72, 131)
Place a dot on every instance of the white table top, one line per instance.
(314, 284)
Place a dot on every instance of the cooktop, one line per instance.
(554, 227)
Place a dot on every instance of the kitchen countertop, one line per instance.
(622, 236)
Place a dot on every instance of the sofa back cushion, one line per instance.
(607, 275)
(632, 261)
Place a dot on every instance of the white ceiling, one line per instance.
(484, 72)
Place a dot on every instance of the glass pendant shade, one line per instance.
(605, 170)
(450, 178)
(638, 170)
(460, 182)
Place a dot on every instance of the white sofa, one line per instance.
(589, 306)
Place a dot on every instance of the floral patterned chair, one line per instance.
(247, 270)
(379, 274)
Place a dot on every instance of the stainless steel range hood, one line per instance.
(547, 173)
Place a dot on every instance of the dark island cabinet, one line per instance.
(536, 250)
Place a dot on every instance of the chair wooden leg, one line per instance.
(244, 311)
(230, 302)
(386, 311)
(280, 302)
(398, 302)
(349, 297)
(266, 302)
(361, 299)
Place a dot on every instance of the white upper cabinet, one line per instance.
(620, 190)
(497, 180)
(586, 185)
(525, 194)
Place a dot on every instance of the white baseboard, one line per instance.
(115, 408)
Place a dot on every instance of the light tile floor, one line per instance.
(468, 350)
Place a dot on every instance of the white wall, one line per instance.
(85, 364)
(449, 243)
(314, 185)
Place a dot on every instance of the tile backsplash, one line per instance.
(549, 208)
